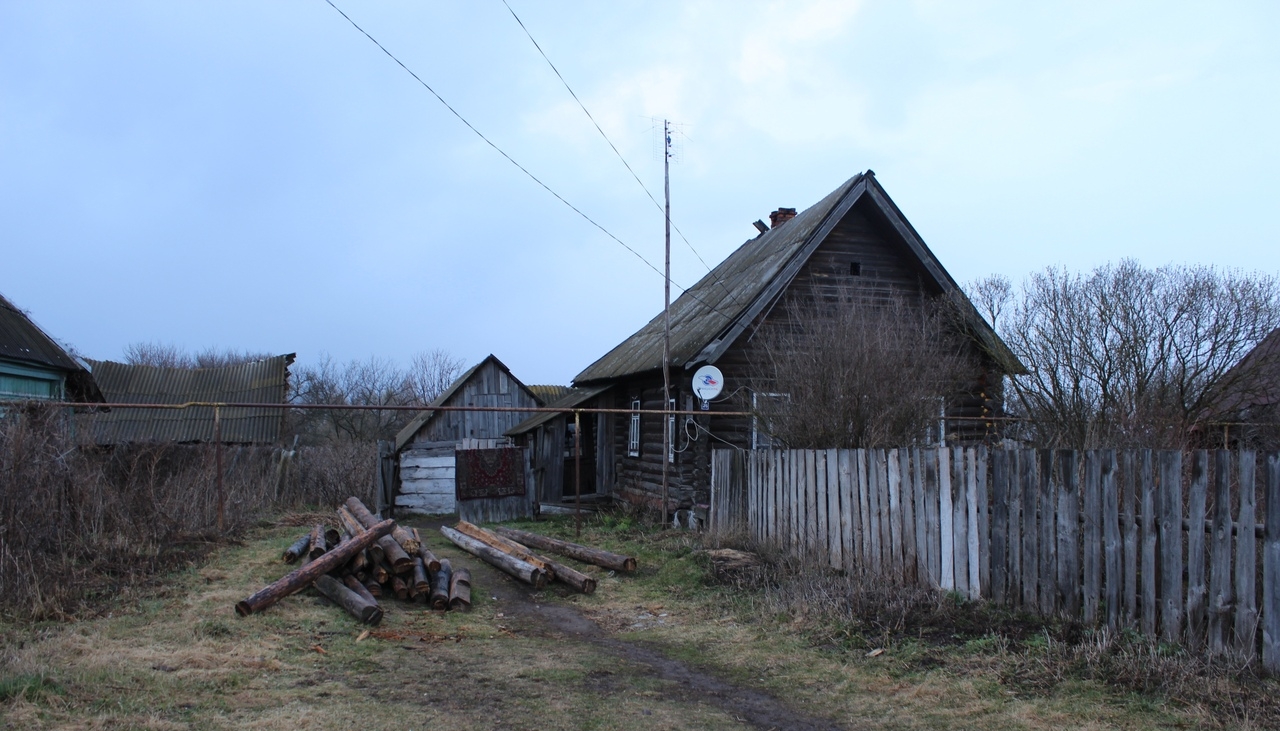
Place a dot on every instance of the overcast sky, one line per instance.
(258, 175)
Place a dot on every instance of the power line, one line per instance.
(602, 133)
(511, 160)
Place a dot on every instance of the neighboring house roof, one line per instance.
(1253, 384)
(406, 434)
(571, 398)
(708, 317)
(549, 393)
(23, 341)
(260, 382)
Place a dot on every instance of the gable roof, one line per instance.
(709, 316)
(262, 382)
(23, 341)
(406, 434)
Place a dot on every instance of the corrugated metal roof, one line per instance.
(263, 381)
(22, 340)
(549, 392)
(571, 398)
(707, 317)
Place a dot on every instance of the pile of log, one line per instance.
(508, 549)
(363, 560)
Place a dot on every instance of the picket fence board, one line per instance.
(1111, 538)
(1271, 567)
(1030, 534)
(946, 519)
(1171, 606)
(984, 527)
(1147, 511)
(999, 525)
(1129, 531)
(1245, 626)
(1196, 591)
(959, 521)
(1220, 556)
(1069, 586)
(910, 558)
(864, 502)
(971, 508)
(933, 516)
(1047, 489)
(895, 509)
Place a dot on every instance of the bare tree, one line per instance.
(430, 373)
(856, 369)
(1129, 356)
(168, 355)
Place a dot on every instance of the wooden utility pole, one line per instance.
(666, 317)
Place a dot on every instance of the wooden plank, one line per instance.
(1197, 606)
(1147, 514)
(933, 520)
(886, 539)
(1129, 538)
(815, 508)
(875, 488)
(1069, 579)
(999, 524)
(1111, 538)
(1271, 567)
(894, 484)
(1029, 469)
(946, 514)
(910, 560)
(984, 525)
(795, 503)
(1091, 538)
(864, 503)
(1046, 489)
(848, 510)
(960, 521)
(1245, 626)
(971, 510)
(1220, 556)
(1013, 591)
(1170, 549)
(835, 511)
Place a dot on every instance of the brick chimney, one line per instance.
(781, 216)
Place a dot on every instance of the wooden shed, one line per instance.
(427, 447)
(855, 237)
(559, 464)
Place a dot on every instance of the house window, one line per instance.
(764, 406)
(855, 269)
(633, 435)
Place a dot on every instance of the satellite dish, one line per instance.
(708, 382)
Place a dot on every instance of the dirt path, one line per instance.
(564, 623)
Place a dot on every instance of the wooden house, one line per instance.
(1246, 410)
(33, 367)
(563, 463)
(855, 235)
(427, 447)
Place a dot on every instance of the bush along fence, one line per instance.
(1162, 542)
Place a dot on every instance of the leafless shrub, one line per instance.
(168, 355)
(75, 521)
(856, 369)
(1125, 355)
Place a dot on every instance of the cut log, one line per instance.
(373, 587)
(400, 588)
(382, 572)
(359, 562)
(298, 548)
(396, 557)
(555, 571)
(506, 545)
(349, 522)
(356, 605)
(332, 537)
(399, 534)
(318, 546)
(428, 558)
(440, 587)
(460, 590)
(301, 578)
(354, 585)
(522, 570)
(585, 554)
(421, 584)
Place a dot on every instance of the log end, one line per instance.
(243, 608)
(629, 565)
(589, 586)
(539, 579)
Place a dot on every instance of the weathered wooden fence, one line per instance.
(1164, 542)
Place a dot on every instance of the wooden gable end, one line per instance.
(491, 386)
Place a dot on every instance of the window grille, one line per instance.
(633, 436)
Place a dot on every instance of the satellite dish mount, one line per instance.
(708, 382)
